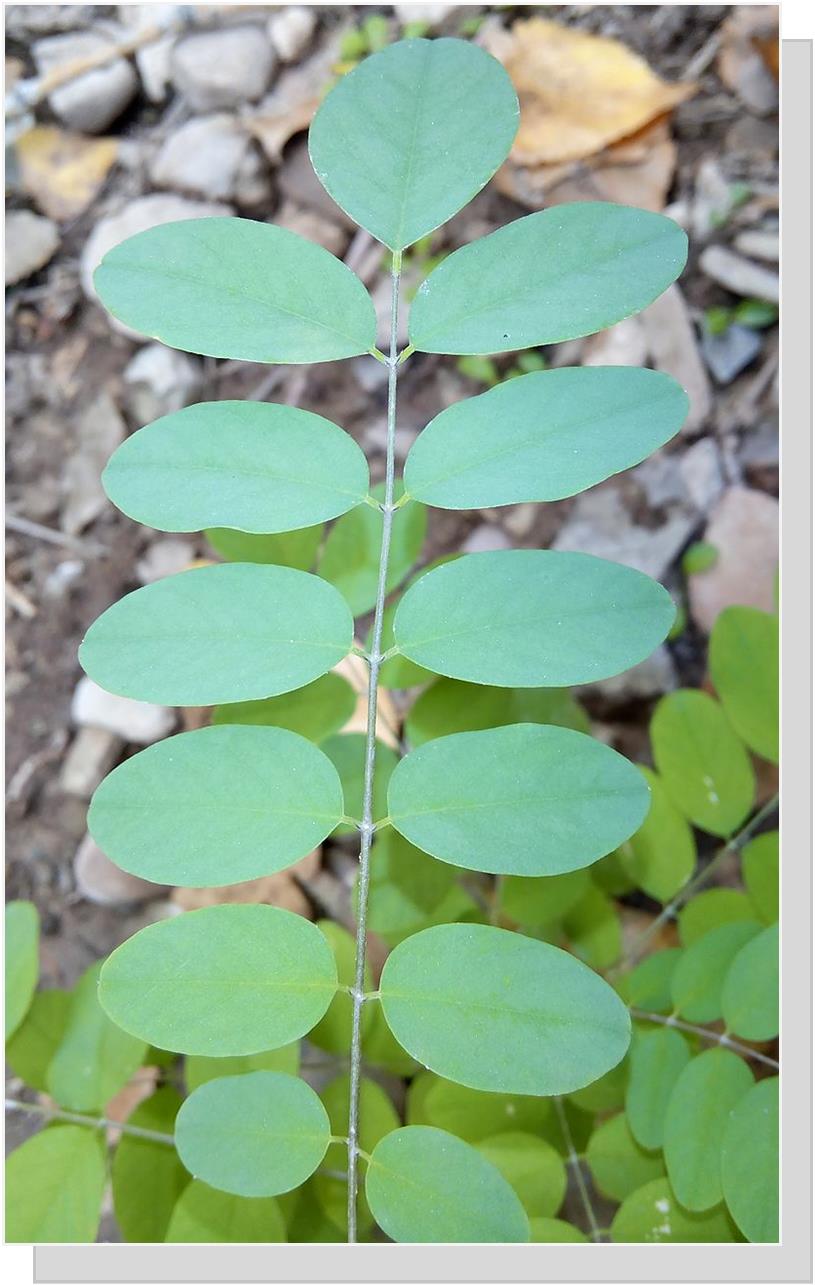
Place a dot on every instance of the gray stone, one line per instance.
(621, 345)
(91, 101)
(731, 352)
(739, 275)
(98, 430)
(759, 245)
(290, 31)
(599, 523)
(701, 472)
(312, 226)
(485, 539)
(672, 344)
(100, 881)
(652, 677)
(30, 242)
(138, 722)
(153, 59)
(159, 381)
(659, 480)
(165, 557)
(90, 757)
(297, 181)
(432, 14)
(214, 69)
(743, 529)
(143, 213)
(519, 519)
(203, 157)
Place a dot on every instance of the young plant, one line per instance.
(401, 143)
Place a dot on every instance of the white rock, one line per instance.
(290, 31)
(519, 519)
(759, 245)
(159, 381)
(739, 275)
(653, 676)
(165, 558)
(135, 721)
(485, 539)
(621, 345)
(202, 157)
(659, 480)
(143, 213)
(600, 524)
(89, 102)
(432, 14)
(100, 881)
(701, 470)
(314, 227)
(152, 60)
(712, 198)
(225, 68)
(672, 344)
(744, 531)
(99, 430)
(30, 242)
(90, 757)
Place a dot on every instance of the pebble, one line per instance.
(159, 381)
(731, 352)
(98, 430)
(622, 345)
(485, 539)
(672, 344)
(739, 275)
(314, 227)
(744, 530)
(30, 242)
(153, 59)
(165, 557)
(701, 471)
(137, 722)
(759, 245)
(519, 519)
(90, 757)
(100, 881)
(712, 198)
(599, 523)
(214, 69)
(139, 215)
(290, 31)
(297, 180)
(651, 677)
(433, 14)
(203, 157)
(92, 101)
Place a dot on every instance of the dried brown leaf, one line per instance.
(63, 171)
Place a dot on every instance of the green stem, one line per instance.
(580, 1179)
(367, 823)
(715, 1037)
(91, 1121)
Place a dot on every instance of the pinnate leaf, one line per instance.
(203, 1215)
(653, 1215)
(750, 1176)
(705, 1092)
(657, 1060)
(750, 991)
(744, 669)
(54, 1186)
(22, 960)
(148, 1176)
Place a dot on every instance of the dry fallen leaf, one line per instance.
(288, 109)
(270, 890)
(578, 92)
(748, 58)
(63, 171)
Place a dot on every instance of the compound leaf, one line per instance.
(759, 869)
(39, 1035)
(231, 632)
(703, 1095)
(225, 981)
(703, 764)
(296, 549)
(315, 711)
(750, 1174)
(543, 436)
(750, 991)
(661, 856)
(377, 1117)
(555, 1230)
(410, 135)
(536, 903)
(656, 1061)
(350, 555)
(653, 1215)
(710, 910)
(532, 1167)
(217, 806)
(54, 1186)
(200, 1070)
(253, 1135)
(494, 1010)
(744, 669)
(648, 985)
(528, 799)
(148, 1176)
(347, 753)
(22, 926)
(448, 706)
(696, 985)
(554, 275)
(531, 618)
(333, 1031)
(229, 287)
(203, 1215)
(426, 1185)
(473, 1115)
(616, 1161)
(251, 466)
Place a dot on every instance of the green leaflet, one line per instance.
(448, 706)
(532, 1167)
(333, 1031)
(217, 806)
(347, 753)
(593, 928)
(148, 1176)
(750, 991)
(656, 1062)
(653, 1215)
(709, 910)
(605, 1094)
(618, 1164)
(30, 1049)
(543, 436)
(54, 1186)
(22, 960)
(528, 799)
(377, 1117)
(296, 549)
(661, 856)
(203, 1215)
(315, 711)
(406, 887)
(225, 981)
(696, 985)
(759, 869)
(497, 1011)
(200, 1070)
(424, 1185)
(246, 465)
(538, 902)
(703, 764)
(695, 1118)
(554, 275)
(95, 1058)
(232, 632)
(531, 618)
(236, 288)
(473, 1115)
(750, 1176)
(744, 669)
(350, 555)
(253, 1135)
(410, 135)
(555, 1230)
(648, 986)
